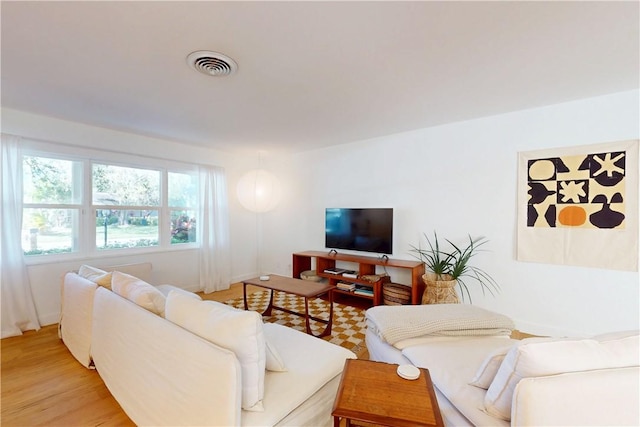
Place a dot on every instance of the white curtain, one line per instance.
(18, 308)
(215, 269)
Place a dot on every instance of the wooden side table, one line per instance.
(372, 392)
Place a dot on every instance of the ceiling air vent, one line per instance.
(212, 63)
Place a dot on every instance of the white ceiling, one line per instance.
(311, 74)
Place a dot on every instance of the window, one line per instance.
(79, 205)
(183, 193)
(52, 200)
(126, 202)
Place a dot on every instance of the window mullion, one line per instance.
(164, 230)
(87, 243)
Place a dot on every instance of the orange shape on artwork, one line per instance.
(572, 216)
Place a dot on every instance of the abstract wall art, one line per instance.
(579, 206)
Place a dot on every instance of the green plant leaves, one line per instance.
(455, 262)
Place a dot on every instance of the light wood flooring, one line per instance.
(43, 385)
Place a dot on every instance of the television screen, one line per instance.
(365, 229)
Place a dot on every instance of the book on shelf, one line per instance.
(350, 274)
(363, 292)
(346, 286)
(339, 271)
(335, 270)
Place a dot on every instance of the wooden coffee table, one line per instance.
(301, 288)
(372, 392)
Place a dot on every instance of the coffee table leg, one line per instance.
(328, 329)
(267, 311)
(244, 294)
(308, 317)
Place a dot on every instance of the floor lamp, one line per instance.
(259, 191)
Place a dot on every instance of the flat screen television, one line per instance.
(359, 229)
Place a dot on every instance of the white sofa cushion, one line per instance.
(451, 364)
(139, 292)
(311, 363)
(96, 275)
(617, 335)
(236, 330)
(604, 397)
(536, 359)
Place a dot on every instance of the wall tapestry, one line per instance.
(579, 206)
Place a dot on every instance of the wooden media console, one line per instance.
(302, 261)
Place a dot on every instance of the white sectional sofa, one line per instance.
(165, 374)
(492, 380)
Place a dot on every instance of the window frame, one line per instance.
(85, 245)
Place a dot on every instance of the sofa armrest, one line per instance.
(599, 397)
(76, 316)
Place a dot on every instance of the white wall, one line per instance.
(457, 179)
(460, 179)
(178, 267)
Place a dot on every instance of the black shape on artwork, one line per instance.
(560, 166)
(538, 193)
(586, 164)
(617, 198)
(603, 178)
(550, 215)
(621, 161)
(532, 215)
(608, 181)
(606, 217)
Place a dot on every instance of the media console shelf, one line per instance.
(302, 261)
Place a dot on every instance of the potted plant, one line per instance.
(448, 268)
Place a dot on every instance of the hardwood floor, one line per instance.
(43, 385)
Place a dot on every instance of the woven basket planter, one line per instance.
(439, 291)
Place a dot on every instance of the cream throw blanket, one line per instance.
(396, 323)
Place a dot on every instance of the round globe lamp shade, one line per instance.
(259, 190)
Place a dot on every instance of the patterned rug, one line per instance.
(348, 322)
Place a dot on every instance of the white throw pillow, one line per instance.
(489, 367)
(536, 359)
(96, 275)
(165, 289)
(274, 361)
(139, 292)
(236, 330)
